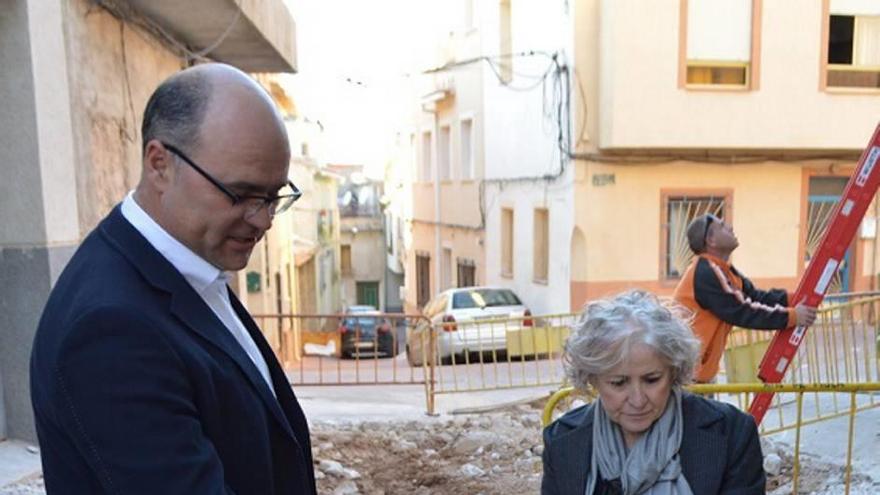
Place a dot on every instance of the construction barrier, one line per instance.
(862, 396)
(491, 353)
(841, 347)
(503, 353)
(343, 349)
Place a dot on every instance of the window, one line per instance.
(505, 42)
(719, 43)
(443, 145)
(853, 44)
(423, 280)
(345, 259)
(446, 269)
(680, 211)
(506, 242)
(466, 273)
(425, 169)
(467, 151)
(541, 252)
(368, 293)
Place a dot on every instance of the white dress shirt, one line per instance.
(208, 281)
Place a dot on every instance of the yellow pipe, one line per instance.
(797, 444)
(734, 388)
(852, 423)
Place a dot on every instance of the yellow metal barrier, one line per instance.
(841, 347)
(343, 349)
(491, 353)
(503, 353)
(863, 393)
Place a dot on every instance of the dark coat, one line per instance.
(138, 387)
(720, 450)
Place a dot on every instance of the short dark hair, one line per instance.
(175, 111)
(697, 231)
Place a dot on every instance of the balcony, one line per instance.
(253, 35)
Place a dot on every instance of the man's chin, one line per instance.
(234, 263)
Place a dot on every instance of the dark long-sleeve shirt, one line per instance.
(721, 297)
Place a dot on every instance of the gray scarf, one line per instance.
(653, 465)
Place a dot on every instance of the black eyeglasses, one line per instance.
(252, 203)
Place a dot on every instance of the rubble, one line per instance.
(469, 454)
(490, 453)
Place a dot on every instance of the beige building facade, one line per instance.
(756, 110)
(76, 76)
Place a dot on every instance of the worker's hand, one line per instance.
(806, 315)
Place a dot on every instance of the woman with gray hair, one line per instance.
(644, 435)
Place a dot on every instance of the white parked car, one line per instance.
(467, 319)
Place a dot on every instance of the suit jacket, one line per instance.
(720, 450)
(138, 387)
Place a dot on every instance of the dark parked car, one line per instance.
(364, 334)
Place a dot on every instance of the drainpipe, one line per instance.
(429, 105)
(438, 269)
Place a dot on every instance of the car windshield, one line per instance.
(479, 298)
(362, 309)
(363, 321)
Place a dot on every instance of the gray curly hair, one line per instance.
(609, 328)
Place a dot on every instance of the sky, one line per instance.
(353, 60)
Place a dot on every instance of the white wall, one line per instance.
(521, 141)
(641, 105)
(541, 298)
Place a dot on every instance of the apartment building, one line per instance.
(492, 189)
(754, 110)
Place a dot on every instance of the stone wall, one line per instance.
(114, 67)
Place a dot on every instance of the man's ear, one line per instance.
(158, 165)
(710, 236)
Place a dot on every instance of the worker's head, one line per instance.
(712, 235)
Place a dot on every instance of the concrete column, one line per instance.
(39, 226)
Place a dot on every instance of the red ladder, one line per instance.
(811, 290)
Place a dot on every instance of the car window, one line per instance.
(363, 321)
(478, 298)
(467, 300)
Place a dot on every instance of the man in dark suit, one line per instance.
(147, 374)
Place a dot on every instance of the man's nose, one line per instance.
(262, 219)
